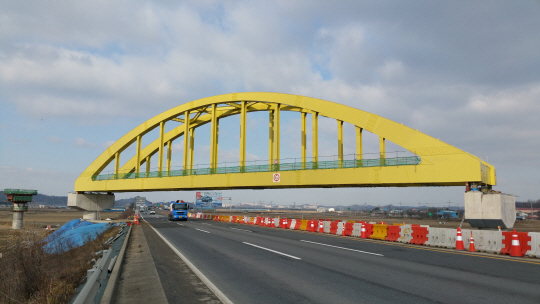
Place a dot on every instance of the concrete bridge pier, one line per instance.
(91, 203)
(17, 222)
(490, 210)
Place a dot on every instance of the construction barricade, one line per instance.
(339, 230)
(348, 229)
(288, 224)
(369, 229)
(379, 232)
(333, 227)
(405, 235)
(312, 226)
(357, 230)
(392, 233)
(466, 234)
(434, 235)
(494, 242)
(321, 226)
(327, 226)
(450, 236)
(534, 244)
(419, 235)
(524, 240)
(303, 225)
(297, 224)
(292, 224)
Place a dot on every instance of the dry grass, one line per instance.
(43, 217)
(29, 275)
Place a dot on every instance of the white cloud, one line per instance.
(507, 102)
(118, 64)
(82, 143)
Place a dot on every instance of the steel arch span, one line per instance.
(436, 163)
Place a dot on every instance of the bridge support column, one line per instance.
(91, 204)
(17, 222)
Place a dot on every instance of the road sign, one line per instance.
(277, 177)
(275, 161)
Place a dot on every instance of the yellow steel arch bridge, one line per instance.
(435, 163)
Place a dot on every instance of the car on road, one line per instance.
(152, 212)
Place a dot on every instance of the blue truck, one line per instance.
(178, 211)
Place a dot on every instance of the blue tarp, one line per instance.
(73, 234)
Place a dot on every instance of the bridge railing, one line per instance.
(280, 165)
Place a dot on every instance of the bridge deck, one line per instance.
(356, 163)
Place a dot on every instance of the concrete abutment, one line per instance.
(91, 203)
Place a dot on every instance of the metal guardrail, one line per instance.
(89, 291)
(286, 166)
(108, 294)
(98, 274)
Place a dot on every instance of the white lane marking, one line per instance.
(202, 230)
(206, 224)
(179, 224)
(342, 248)
(240, 229)
(201, 276)
(291, 256)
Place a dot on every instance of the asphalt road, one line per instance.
(252, 264)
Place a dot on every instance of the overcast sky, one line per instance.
(75, 76)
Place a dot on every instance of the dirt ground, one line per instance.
(523, 226)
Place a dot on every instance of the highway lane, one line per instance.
(264, 265)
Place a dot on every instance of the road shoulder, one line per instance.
(180, 283)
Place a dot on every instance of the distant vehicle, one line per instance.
(152, 212)
(108, 219)
(178, 211)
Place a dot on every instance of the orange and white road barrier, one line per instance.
(471, 244)
(515, 250)
(363, 233)
(459, 240)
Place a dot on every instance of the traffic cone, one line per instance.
(515, 250)
(321, 227)
(343, 229)
(459, 240)
(363, 233)
(471, 244)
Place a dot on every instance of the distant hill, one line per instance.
(51, 200)
(126, 202)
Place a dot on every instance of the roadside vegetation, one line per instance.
(29, 275)
(129, 212)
